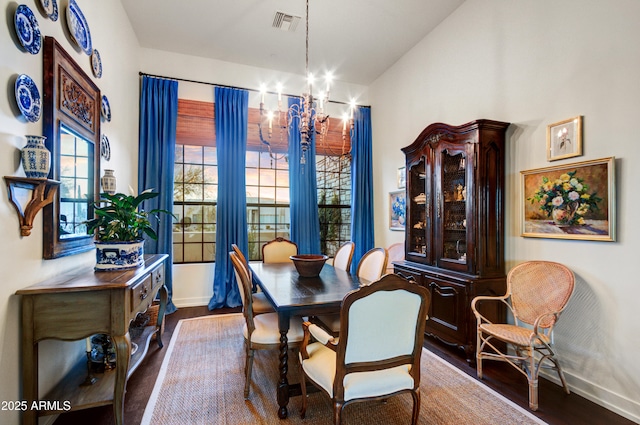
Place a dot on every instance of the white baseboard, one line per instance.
(190, 302)
(608, 399)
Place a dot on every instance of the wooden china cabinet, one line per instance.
(454, 237)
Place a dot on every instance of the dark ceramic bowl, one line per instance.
(309, 265)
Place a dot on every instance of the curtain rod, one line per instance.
(233, 87)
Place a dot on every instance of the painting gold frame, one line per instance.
(397, 209)
(564, 139)
(586, 192)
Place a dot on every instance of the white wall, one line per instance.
(533, 63)
(21, 257)
(193, 283)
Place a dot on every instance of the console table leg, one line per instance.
(123, 354)
(29, 363)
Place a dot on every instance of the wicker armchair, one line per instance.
(537, 292)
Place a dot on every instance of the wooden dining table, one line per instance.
(293, 295)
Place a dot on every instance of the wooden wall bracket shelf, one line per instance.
(43, 192)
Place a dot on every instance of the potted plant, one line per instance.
(119, 226)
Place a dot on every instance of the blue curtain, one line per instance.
(361, 185)
(231, 121)
(305, 227)
(158, 116)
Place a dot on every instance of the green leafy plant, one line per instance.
(119, 219)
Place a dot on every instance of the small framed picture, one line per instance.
(397, 209)
(402, 177)
(564, 139)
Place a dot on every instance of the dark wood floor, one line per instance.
(556, 407)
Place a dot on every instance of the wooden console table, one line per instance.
(76, 305)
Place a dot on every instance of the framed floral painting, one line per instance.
(571, 201)
(564, 139)
(397, 209)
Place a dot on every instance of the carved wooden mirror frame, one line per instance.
(71, 100)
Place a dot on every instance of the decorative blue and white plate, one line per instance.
(105, 109)
(50, 8)
(105, 148)
(28, 98)
(27, 29)
(78, 27)
(96, 63)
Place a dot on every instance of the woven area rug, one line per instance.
(201, 381)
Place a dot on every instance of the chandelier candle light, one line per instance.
(310, 113)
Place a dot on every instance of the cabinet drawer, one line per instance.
(412, 275)
(142, 294)
(158, 277)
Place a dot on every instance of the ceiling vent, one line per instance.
(285, 22)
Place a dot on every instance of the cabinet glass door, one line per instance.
(452, 209)
(418, 225)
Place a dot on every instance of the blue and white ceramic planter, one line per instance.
(36, 158)
(119, 255)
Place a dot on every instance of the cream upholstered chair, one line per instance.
(344, 255)
(396, 253)
(260, 331)
(278, 251)
(372, 265)
(537, 292)
(379, 349)
(260, 302)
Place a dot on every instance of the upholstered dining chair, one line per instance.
(373, 264)
(396, 253)
(260, 302)
(379, 349)
(537, 292)
(260, 331)
(278, 250)
(344, 255)
(371, 267)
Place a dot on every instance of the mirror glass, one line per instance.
(71, 125)
(76, 183)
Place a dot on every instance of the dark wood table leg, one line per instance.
(283, 384)
(29, 363)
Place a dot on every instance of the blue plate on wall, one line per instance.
(78, 27)
(105, 109)
(27, 29)
(28, 98)
(96, 63)
(50, 8)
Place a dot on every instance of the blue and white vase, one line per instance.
(36, 158)
(119, 255)
(108, 182)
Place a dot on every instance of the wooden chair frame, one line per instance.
(372, 252)
(244, 285)
(390, 282)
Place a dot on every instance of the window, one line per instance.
(267, 190)
(268, 215)
(194, 204)
(334, 201)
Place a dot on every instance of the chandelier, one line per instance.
(309, 114)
